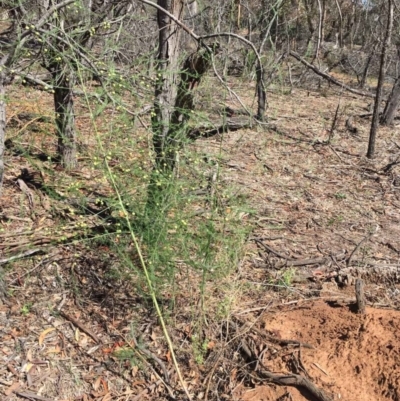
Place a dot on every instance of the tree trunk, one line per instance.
(261, 92)
(393, 101)
(364, 76)
(375, 116)
(2, 126)
(65, 118)
(2, 140)
(165, 144)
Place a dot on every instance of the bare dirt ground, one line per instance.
(355, 357)
(325, 208)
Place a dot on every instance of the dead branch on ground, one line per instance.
(328, 77)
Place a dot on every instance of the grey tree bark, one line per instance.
(165, 134)
(393, 101)
(381, 77)
(64, 82)
(2, 126)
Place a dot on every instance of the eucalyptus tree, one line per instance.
(15, 39)
(67, 38)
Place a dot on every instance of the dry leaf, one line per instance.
(107, 397)
(105, 385)
(96, 384)
(77, 335)
(44, 333)
(26, 367)
(14, 387)
(55, 350)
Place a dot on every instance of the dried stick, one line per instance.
(350, 258)
(20, 256)
(80, 326)
(329, 77)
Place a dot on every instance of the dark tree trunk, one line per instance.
(381, 77)
(261, 93)
(65, 118)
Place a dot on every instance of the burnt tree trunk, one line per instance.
(261, 92)
(381, 77)
(65, 118)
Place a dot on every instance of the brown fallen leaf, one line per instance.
(44, 333)
(14, 387)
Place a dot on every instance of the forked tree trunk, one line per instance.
(65, 118)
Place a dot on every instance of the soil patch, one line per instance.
(355, 357)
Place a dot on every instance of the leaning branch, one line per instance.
(329, 77)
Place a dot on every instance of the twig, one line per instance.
(329, 77)
(280, 340)
(298, 381)
(319, 367)
(269, 249)
(299, 262)
(20, 256)
(42, 262)
(32, 396)
(350, 258)
(80, 326)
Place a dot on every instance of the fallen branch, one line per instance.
(298, 381)
(285, 380)
(204, 132)
(301, 262)
(78, 324)
(21, 255)
(31, 396)
(370, 272)
(328, 77)
(350, 258)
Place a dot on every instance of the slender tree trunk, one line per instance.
(340, 33)
(364, 76)
(2, 140)
(65, 118)
(261, 92)
(2, 126)
(375, 116)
